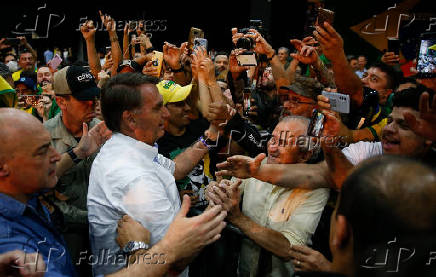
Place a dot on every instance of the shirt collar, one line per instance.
(11, 207)
(148, 150)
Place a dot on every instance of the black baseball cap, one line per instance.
(76, 81)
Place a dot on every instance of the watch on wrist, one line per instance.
(133, 246)
(73, 155)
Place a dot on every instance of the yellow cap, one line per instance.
(172, 92)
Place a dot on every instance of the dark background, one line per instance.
(283, 20)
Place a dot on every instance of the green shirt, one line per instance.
(74, 183)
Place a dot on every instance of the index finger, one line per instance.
(209, 214)
(329, 28)
(424, 102)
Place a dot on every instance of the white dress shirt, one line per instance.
(128, 177)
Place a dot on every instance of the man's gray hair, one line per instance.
(286, 49)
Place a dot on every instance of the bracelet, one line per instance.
(206, 142)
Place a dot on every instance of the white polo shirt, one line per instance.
(128, 177)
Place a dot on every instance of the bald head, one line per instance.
(388, 201)
(16, 127)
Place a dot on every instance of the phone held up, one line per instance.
(316, 124)
(247, 101)
(200, 42)
(193, 34)
(338, 102)
(325, 15)
(426, 60)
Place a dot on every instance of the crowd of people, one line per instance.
(171, 160)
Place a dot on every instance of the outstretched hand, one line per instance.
(331, 42)
(92, 140)
(239, 166)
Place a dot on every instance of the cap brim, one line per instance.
(181, 94)
(87, 94)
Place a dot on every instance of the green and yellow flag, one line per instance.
(8, 97)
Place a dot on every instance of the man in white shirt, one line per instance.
(128, 176)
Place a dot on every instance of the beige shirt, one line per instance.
(295, 213)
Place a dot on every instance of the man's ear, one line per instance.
(4, 170)
(342, 234)
(128, 120)
(61, 102)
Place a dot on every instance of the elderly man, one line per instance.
(128, 176)
(28, 166)
(275, 218)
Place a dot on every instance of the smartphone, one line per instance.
(316, 124)
(132, 25)
(325, 15)
(12, 41)
(247, 101)
(200, 42)
(338, 102)
(394, 45)
(30, 100)
(193, 34)
(157, 60)
(55, 62)
(426, 60)
(108, 48)
(246, 59)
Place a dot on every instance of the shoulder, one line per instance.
(362, 150)
(53, 123)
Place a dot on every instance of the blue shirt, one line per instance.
(29, 228)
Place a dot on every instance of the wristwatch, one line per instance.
(73, 155)
(133, 246)
(208, 142)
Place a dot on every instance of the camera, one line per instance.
(245, 42)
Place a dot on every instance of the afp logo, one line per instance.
(85, 77)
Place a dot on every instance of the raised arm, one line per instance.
(111, 28)
(88, 31)
(23, 42)
(332, 46)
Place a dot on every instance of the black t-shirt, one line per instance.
(170, 146)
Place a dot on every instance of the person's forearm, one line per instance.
(33, 51)
(115, 51)
(204, 98)
(361, 135)
(308, 176)
(266, 238)
(93, 60)
(346, 80)
(279, 72)
(338, 165)
(64, 164)
(188, 159)
(126, 50)
(291, 71)
(323, 74)
(215, 92)
(146, 267)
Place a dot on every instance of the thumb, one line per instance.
(259, 158)
(236, 183)
(186, 204)
(234, 31)
(84, 129)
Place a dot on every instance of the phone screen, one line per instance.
(426, 61)
(247, 101)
